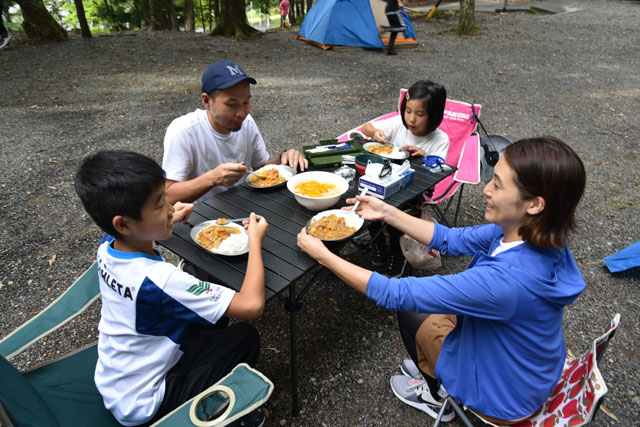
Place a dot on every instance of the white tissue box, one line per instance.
(385, 187)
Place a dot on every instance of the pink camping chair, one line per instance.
(459, 123)
(576, 398)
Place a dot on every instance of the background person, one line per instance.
(162, 333)
(284, 12)
(210, 150)
(492, 334)
(416, 131)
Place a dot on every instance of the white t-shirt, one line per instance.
(435, 143)
(506, 246)
(192, 147)
(147, 305)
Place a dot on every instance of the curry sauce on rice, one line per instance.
(267, 178)
(212, 236)
(331, 227)
(380, 149)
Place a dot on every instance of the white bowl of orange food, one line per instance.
(316, 190)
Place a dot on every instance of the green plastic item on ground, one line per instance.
(330, 158)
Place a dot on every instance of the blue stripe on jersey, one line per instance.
(132, 255)
(158, 314)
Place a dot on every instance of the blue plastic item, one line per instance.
(433, 161)
(626, 259)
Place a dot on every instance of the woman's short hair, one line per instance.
(433, 95)
(548, 168)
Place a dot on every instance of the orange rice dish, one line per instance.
(212, 236)
(316, 189)
(380, 149)
(267, 178)
(331, 227)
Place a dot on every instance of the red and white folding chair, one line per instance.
(577, 396)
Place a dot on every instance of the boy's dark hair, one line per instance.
(113, 183)
(549, 168)
(434, 97)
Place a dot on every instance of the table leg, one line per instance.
(292, 307)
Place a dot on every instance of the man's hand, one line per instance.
(227, 173)
(182, 212)
(295, 159)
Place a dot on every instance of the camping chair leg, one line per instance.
(440, 215)
(455, 217)
(451, 401)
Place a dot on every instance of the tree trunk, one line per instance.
(204, 25)
(216, 10)
(467, 22)
(233, 21)
(189, 19)
(173, 16)
(159, 16)
(38, 22)
(82, 19)
(292, 13)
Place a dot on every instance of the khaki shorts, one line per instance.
(429, 340)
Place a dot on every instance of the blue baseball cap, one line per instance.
(223, 74)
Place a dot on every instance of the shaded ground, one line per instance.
(573, 75)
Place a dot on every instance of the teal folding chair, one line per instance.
(62, 392)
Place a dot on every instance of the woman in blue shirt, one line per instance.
(492, 334)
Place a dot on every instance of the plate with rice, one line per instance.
(221, 237)
(387, 151)
(334, 225)
(270, 176)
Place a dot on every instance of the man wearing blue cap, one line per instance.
(208, 151)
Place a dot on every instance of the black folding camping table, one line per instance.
(284, 262)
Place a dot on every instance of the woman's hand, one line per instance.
(181, 212)
(256, 229)
(414, 150)
(312, 246)
(370, 208)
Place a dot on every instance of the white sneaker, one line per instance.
(416, 393)
(409, 369)
(5, 41)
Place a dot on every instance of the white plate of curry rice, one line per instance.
(270, 176)
(387, 151)
(334, 225)
(221, 237)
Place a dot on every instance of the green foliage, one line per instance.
(118, 15)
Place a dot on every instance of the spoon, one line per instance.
(364, 191)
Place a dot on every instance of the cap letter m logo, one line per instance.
(234, 70)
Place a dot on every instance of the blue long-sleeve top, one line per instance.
(506, 353)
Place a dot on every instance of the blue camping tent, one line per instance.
(341, 22)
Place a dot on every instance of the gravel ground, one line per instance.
(573, 75)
